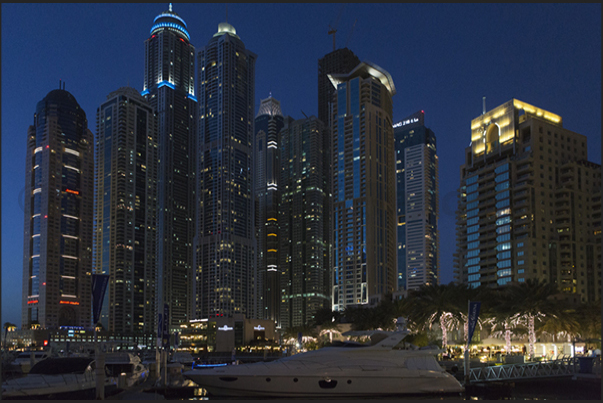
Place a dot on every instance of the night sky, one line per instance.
(443, 59)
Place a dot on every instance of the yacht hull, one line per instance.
(354, 384)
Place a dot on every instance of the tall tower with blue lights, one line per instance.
(364, 186)
(169, 88)
(225, 241)
(417, 203)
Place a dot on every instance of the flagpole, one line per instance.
(467, 347)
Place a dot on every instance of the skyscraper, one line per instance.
(364, 186)
(305, 280)
(225, 243)
(125, 212)
(169, 89)
(417, 202)
(57, 248)
(530, 204)
(339, 61)
(268, 125)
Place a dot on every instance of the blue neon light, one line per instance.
(169, 16)
(192, 97)
(170, 25)
(145, 92)
(161, 84)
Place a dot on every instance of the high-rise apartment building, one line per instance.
(339, 61)
(530, 204)
(363, 186)
(59, 191)
(225, 243)
(125, 211)
(268, 125)
(417, 203)
(305, 279)
(169, 89)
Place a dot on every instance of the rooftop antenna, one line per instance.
(304, 114)
(484, 105)
(170, 7)
(60, 83)
(226, 12)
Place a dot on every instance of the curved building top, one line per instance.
(366, 69)
(271, 107)
(61, 96)
(171, 21)
(226, 28)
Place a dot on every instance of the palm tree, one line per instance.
(438, 304)
(531, 300)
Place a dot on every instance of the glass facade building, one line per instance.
(529, 204)
(268, 125)
(225, 239)
(363, 187)
(57, 249)
(169, 89)
(125, 211)
(305, 279)
(417, 203)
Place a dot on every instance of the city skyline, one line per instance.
(497, 51)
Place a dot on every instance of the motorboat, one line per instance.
(58, 378)
(127, 367)
(386, 366)
(24, 359)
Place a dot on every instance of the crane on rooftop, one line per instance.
(333, 29)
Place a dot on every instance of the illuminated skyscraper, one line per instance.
(59, 191)
(268, 125)
(417, 202)
(364, 186)
(125, 214)
(169, 89)
(305, 280)
(225, 242)
(530, 204)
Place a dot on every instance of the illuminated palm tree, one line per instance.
(439, 304)
(530, 301)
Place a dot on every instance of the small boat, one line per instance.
(350, 369)
(127, 367)
(58, 378)
(23, 360)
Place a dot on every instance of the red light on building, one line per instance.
(47, 146)
(33, 301)
(69, 302)
(75, 192)
(45, 343)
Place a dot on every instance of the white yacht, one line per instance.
(57, 378)
(380, 368)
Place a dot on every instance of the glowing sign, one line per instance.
(259, 328)
(405, 122)
(69, 302)
(225, 328)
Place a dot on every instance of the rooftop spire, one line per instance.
(170, 8)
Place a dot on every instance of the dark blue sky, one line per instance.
(443, 59)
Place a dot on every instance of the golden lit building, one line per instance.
(529, 204)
